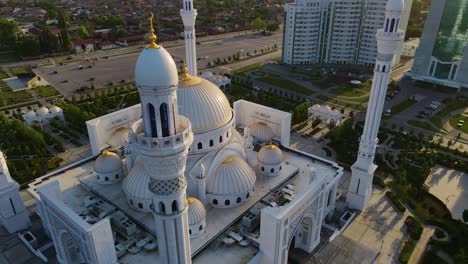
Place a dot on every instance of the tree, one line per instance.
(64, 38)
(259, 24)
(28, 46)
(8, 33)
(83, 32)
(272, 27)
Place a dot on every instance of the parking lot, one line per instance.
(69, 77)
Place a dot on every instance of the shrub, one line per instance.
(379, 182)
(414, 227)
(396, 202)
(406, 251)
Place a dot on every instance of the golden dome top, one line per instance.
(152, 37)
(229, 159)
(185, 78)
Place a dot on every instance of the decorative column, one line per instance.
(363, 170)
(189, 14)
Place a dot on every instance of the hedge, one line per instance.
(396, 202)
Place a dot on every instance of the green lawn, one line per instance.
(8, 97)
(3, 74)
(351, 90)
(248, 68)
(454, 121)
(422, 124)
(356, 106)
(46, 91)
(285, 84)
(402, 106)
(323, 84)
(20, 71)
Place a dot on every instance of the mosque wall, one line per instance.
(100, 129)
(247, 113)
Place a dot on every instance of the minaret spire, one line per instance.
(189, 15)
(152, 37)
(388, 39)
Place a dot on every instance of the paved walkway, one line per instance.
(420, 248)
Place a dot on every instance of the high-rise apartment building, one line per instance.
(335, 31)
(442, 56)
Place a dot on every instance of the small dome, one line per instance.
(262, 131)
(196, 211)
(55, 109)
(395, 5)
(107, 162)
(270, 155)
(204, 104)
(233, 176)
(42, 111)
(135, 187)
(30, 114)
(119, 137)
(155, 68)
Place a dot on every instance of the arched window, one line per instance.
(140, 205)
(281, 167)
(272, 170)
(200, 228)
(386, 25)
(239, 199)
(392, 25)
(116, 176)
(162, 207)
(174, 207)
(378, 67)
(220, 139)
(383, 68)
(263, 169)
(131, 201)
(215, 202)
(98, 177)
(152, 117)
(227, 202)
(396, 26)
(106, 178)
(211, 143)
(247, 195)
(164, 119)
(190, 231)
(227, 134)
(200, 145)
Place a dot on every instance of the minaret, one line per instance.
(164, 148)
(13, 215)
(189, 14)
(388, 39)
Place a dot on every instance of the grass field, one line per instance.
(350, 90)
(285, 84)
(454, 121)
(3, 74)
(20, 71)
(46, 91)
(422, 124)
(248, 68)
(356, 106)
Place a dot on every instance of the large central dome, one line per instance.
(204, 104)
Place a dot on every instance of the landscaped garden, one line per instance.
(454, 121)
(423, 125)
(352, 90)
(8, 96)
(449, 105)
(285, 84)
(3, 74)
(46, 91)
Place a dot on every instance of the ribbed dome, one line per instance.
(119, 137)
(107, 162)
(233, 176)
(42, 111)
(196, 211)
(262, 131)
(155, 68)
(204, 104)
(135, 185)
(55, 109)
(270, 154)
(395, 5)
(30, 114)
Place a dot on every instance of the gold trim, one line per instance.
(271, 146)
(107, 153)
(190, 200)
(185, 78)
(229, 159)
(152, 37)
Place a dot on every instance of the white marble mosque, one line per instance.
(183, 172)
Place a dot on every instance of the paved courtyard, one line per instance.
(451, 187)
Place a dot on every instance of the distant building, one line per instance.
(442, 56)
(335, 31)
(409, 47)
(43, 115)
(106, 44)
(84, 45)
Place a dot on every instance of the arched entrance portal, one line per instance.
(303, 235)
(71, 251)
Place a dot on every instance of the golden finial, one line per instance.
(152, 37)
(185, 78)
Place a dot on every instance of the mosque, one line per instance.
(183, 175)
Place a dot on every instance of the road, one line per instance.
(105, 69)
